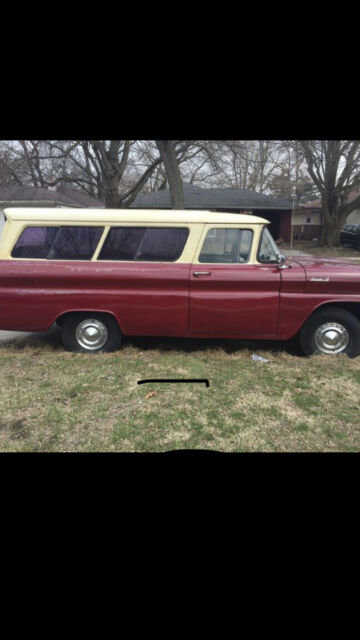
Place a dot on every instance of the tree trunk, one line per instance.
(111, 195)
(168, 156)
(329, 235)
(334, 220)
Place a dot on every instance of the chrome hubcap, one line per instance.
(91, 334)
(331, 338)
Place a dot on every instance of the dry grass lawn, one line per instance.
(52, 400)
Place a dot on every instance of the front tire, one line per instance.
(90, 333)
(331, 332)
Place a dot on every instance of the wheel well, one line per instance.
(60, 319)
(353, 307)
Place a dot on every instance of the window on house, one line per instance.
(226, 246)
(150, 244)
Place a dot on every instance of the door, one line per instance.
(231, 295)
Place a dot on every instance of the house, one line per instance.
(308, 218)
(61, 196)
(307, 221)
(276, 210)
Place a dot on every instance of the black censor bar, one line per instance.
(174, 380)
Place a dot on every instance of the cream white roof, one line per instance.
(104, 216)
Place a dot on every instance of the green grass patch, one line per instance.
(52, 400)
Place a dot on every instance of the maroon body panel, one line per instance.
(234, 300)
(229, 300)
(312, 283)
(146, 299)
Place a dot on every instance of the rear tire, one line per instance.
(331, 332)
(90, 333)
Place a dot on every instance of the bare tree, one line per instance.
(35, 162)
(8, 168)
(115, 171)
(168, 156)
(291, 179)
(334, 166)
(144, 153)
(99, 166)
(241, 164)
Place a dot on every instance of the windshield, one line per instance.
(268, 250)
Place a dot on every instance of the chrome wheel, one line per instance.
(91, 334)
(331, 337)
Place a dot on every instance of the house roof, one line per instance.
(312, 204)
(63, 195)
(199, 198)
(316, 204)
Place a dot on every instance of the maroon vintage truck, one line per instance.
(102, 274)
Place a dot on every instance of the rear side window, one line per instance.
(58, 243)
(150, 244)
(34, 242)
(122, 243)
(226, 245)
(75, 243)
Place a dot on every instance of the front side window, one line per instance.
(58, 243)
(149, 244)
(226, 245)
(268, 250)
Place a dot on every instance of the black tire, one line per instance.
(76, 333)
(343, 337)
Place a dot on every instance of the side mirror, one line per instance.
(281, 259)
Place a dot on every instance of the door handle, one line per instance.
(201, 273)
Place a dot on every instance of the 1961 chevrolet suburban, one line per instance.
(101, 274)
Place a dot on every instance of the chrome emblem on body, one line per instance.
(319, 279)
